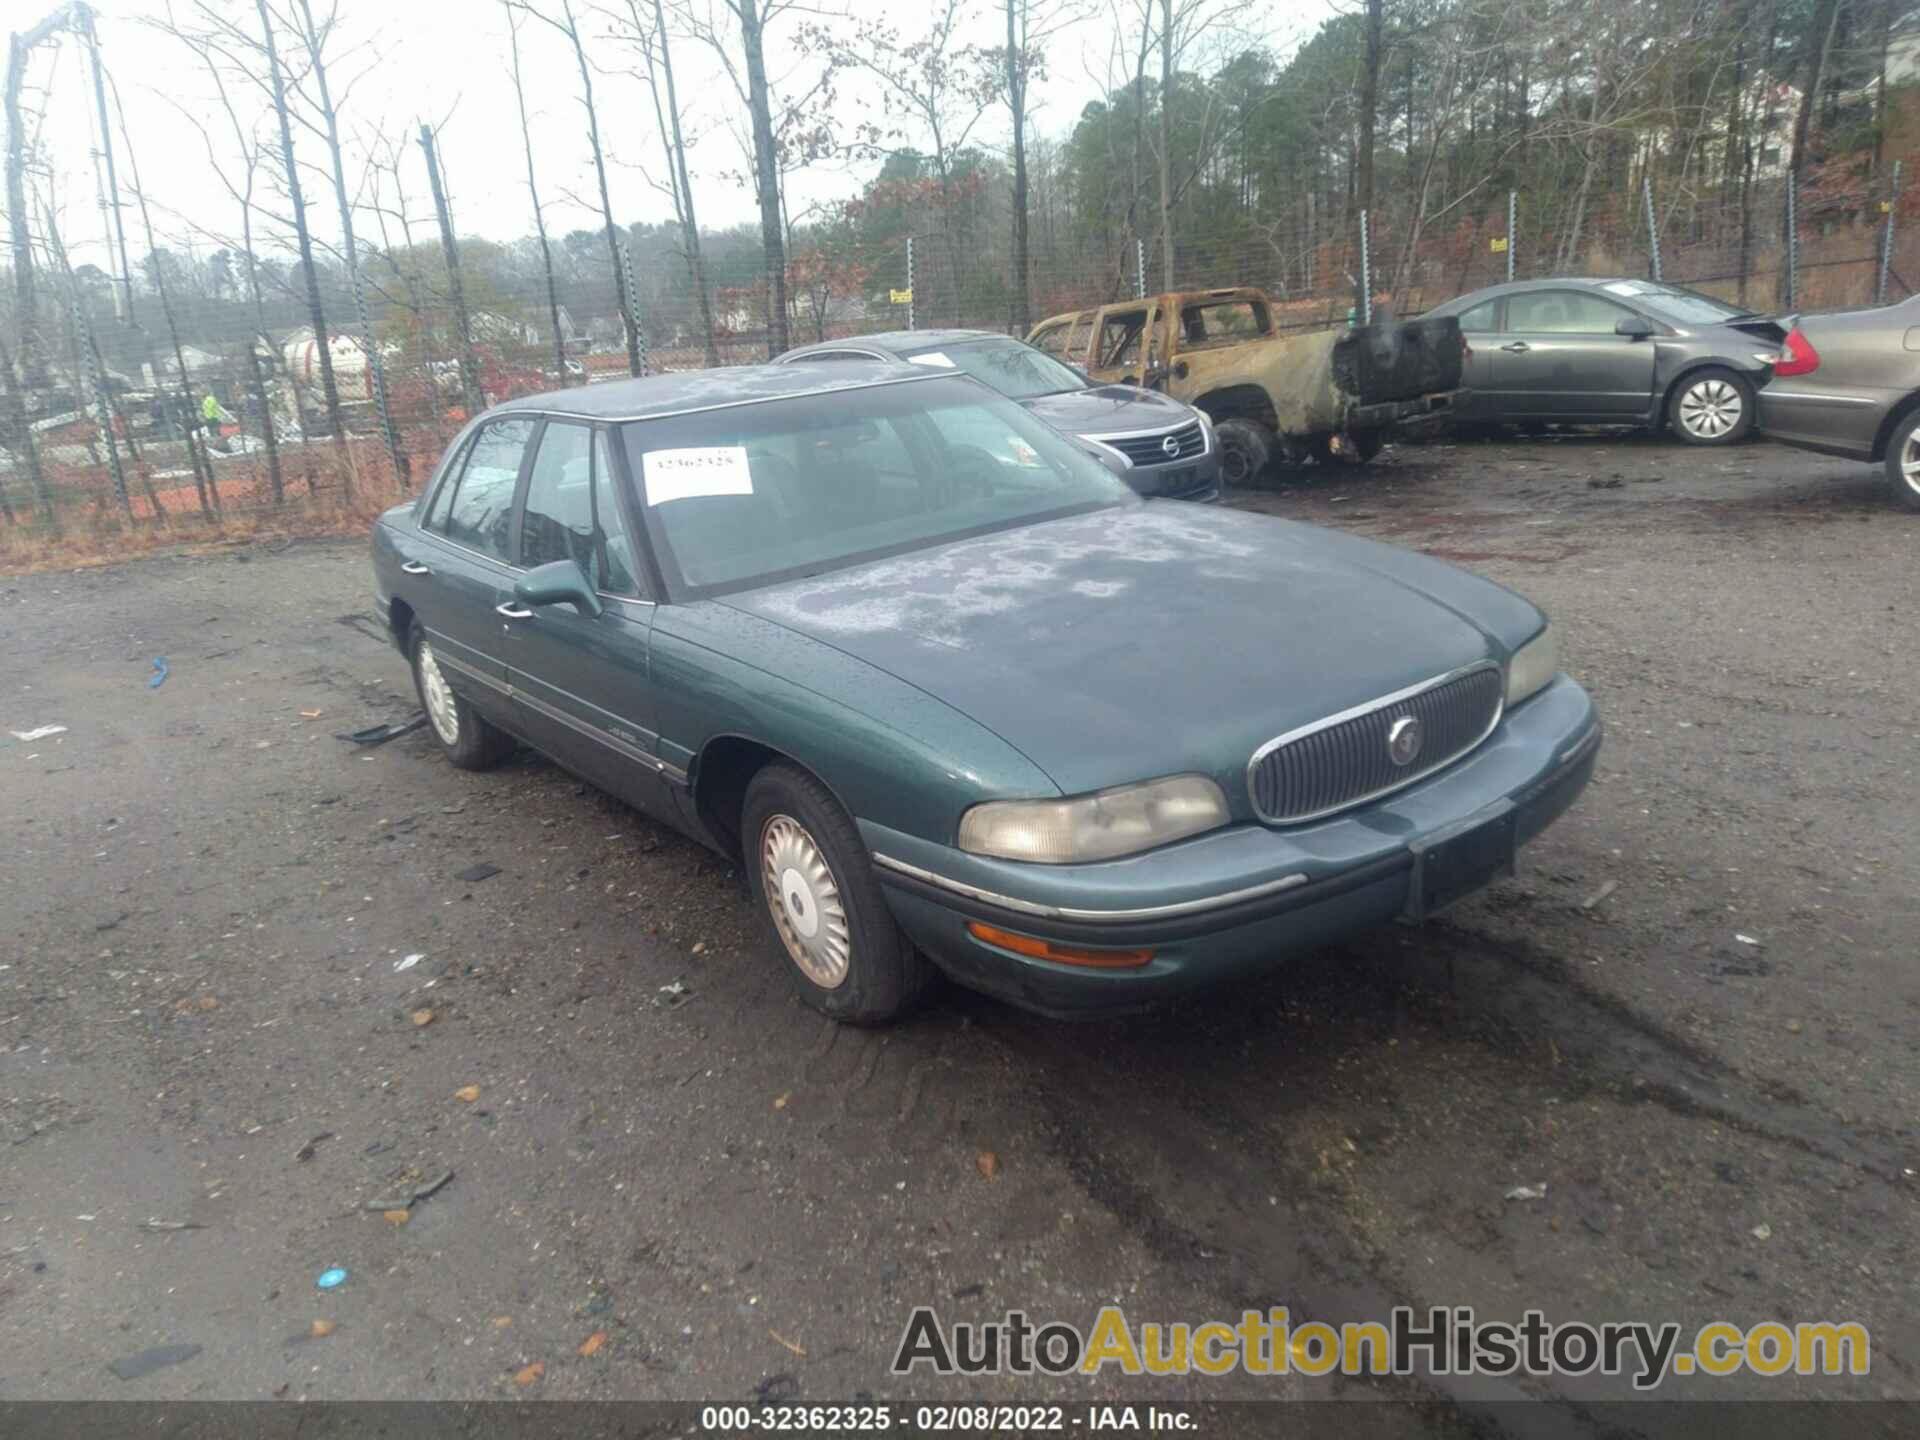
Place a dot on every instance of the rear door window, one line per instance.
(1120, 336)
(1222, 322)
(1480, 319)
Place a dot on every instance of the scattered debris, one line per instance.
(673, 995)
(593, 1344)
(528, 1374)
(1794, 1027)
(971, 1292)
(421, 1019)
(321, 1329)
(780, 1100)
(331, 1279)
(700, 947)
(468, 1093)
(145, 1362)
(41, 733)
(988, 1164)
(160, 673)
(796, 1349)
(407, 962)
(474, 874)
(1528, 1192)
(1745, 939)
(1600, 894)
(113, 924)
(397, 1216)
(776, 1388)
(380, 734)
(501, 1322)
(158, 1227)
(310, 714)
(1762, 1231)
(408, 1200)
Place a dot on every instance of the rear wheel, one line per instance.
(468, 740)
(1713, 406)
(1903, 461)
(1246, 449)
(816, 888)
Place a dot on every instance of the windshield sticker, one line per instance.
(1624, 287)
(932, 358)
(687, 474)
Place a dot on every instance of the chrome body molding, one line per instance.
(1094, 917)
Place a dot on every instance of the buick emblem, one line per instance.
(1403, 741)
(1172, 446)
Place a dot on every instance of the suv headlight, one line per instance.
(1100, 826)
(1532, 666)
(1206, 428)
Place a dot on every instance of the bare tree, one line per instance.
(569, 27)
(766, 170)
(533, 193)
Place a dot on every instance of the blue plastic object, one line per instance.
(159, 673)
(331, 1279)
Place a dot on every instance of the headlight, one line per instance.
(1532, 666)
(1100, 826)
(1206, 426)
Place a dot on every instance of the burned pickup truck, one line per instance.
(1272, 396)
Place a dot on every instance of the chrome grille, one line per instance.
(1342, 761)
(1151, 449)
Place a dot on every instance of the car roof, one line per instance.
(1548, 282)
(678, 392)
(898, 342)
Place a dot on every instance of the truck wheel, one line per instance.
(1245, 451)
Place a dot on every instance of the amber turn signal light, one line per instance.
(1060, 954)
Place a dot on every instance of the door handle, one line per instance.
(1518, 347)
(512, 611)
(414, 567)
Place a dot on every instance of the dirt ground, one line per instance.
(1692, 1017)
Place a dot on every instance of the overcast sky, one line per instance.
(445, 61)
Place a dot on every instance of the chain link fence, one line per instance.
(199, 392)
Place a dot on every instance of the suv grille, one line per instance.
(1152, 450)
(1338, 763)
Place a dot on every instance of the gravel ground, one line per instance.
(1691, 1017)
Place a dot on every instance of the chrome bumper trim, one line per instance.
(1095, 917)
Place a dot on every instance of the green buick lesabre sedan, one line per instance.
(957, 699)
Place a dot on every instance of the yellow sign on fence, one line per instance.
(900, 297)
(1499, 244)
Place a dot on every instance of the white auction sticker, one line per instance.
(933, 358)
(704, 470)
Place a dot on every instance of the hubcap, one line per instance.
(1910, 462)
(439, 696)
(1234, 465)
(805, 902)
(1710, 409)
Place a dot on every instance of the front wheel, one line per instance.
(814, 884)
(1246, 449)
(466, 738)
(1903, 461)
(1713, 406)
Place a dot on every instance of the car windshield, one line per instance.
(1683, 307)
(1017, 371)
(751, 494)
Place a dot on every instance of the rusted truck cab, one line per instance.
(1331, 394)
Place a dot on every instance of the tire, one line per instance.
(1903, 451)
(1246, 449)
(1711, 406)
(816, 891)
(475, 744)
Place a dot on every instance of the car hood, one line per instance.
(1109, 410)
(1153, 639)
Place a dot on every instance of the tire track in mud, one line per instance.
(1156, 1121)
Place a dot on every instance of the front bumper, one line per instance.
(1233, 901)
(1189, 480)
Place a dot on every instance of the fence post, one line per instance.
(1140, 268)
(1366, 273)
(1513, 215)
(1793, 243)
(1886, 239)
(469, 367)
(633, 306)
(96, 380)
(1653, 228)
(376, 373)
(910, 300)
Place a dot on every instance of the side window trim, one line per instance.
(446, 480)
(600, 444)
(647, 573)
(520, 484)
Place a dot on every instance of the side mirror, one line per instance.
(1634, 327)
(559, 582)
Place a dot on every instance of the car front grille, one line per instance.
(1344, 760)
(1152, 449)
